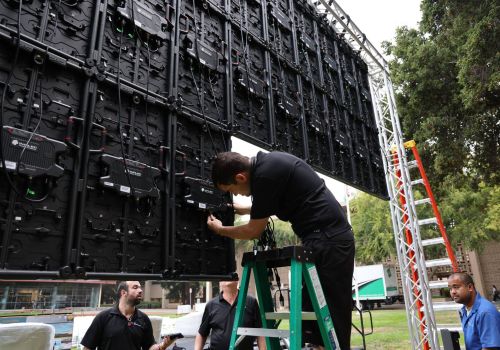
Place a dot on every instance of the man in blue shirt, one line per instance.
(480, 318)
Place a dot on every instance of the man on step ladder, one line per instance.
(283, 185)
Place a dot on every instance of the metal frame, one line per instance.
(419, 310)
(303, 271)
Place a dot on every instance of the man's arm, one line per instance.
(199, 342)
(487, 325)
(252, 230)
(92, 336)
(261, 343)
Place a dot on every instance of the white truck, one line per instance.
(376, 284)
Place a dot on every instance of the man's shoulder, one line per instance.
(275, 155)
(251, 298)
(487, 306)
(142, 314)
(214, 301)
(107, 312)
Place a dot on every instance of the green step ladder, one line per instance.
(301, 262)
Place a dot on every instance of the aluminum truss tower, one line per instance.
(419, 309)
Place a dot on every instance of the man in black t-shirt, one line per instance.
(123, 327)
(283, 185)
(218, 319)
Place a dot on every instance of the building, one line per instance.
(52, 294)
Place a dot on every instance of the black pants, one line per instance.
(335, 264)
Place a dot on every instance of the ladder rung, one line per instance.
(450, 327)
(307, 315)
(438, 284)
(263, 332)
(412, 164)
(446, 306)
(438, 262)
(432, 241)
(417, 182)
(427, 221)
(423, 201)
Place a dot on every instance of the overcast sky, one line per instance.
(378, 20)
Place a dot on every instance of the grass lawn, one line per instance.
(390, 329)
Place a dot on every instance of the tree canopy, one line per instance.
(446, 76)
(447, 79)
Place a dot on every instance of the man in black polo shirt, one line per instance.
(283, 185)
(219, 318)
(123, 327)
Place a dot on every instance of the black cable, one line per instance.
(244, 43)
(37, 125)
(57, 14)
(267, 241)
(278, 283)
(207, 125)
(276, 47)
(4, 92)
(146, 44)
(215, 102)
(38, 200)
(147, 95)
(203, 110)
(120, 111)
(6, 85)
(224, 145)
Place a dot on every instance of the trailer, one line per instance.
(376, 284)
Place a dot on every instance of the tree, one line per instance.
(446, 75)
(372, 226)
(283, 234)
(472, 217)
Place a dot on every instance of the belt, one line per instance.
(324, 234)
(316, 233)
(313, 236)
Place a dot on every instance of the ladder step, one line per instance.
(450, 327)
(263, 332)
(307, 315)
(446, 306)
(428, 221)
(438, 262)
(433, 241)
(423, 201)
(417, 182)
(412, 164)
(438, 284)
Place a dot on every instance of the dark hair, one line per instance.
(123, 285)
(226, 165)
(464, 277)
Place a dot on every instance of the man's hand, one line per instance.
(166, 343)
(252, 230)
(214, 224)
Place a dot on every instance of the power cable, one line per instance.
(4, 92)
(40, 108)
(244, 43)
(212, 89)
(194, 80)
(120, 110)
